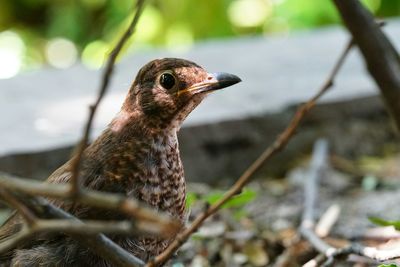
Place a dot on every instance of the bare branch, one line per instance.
(91, 227)
(98, 243)
(107, 74)
(381, 57)
(279, 144)
(10, 243)
(328, 258)
(25, 213)
(102, 245)
(318, 164)
(328, 253)
(117, 202)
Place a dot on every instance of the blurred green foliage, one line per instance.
(382, 222)
(237, 202)
(91, 27)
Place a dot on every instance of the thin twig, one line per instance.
(91, 227)
(328, 258)
(98, 243)
(107, 74)
(318, 164)
(101, 244)
(279, 144)
(328, 253)
(25, 213)
(111, 201)
(21, 237)
(320, 154)
(75, 227)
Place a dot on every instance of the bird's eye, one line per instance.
(167, 80)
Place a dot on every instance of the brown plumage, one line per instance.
(137, 155)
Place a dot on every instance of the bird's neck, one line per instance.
(136, 121)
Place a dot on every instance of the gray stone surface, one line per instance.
(44, 111)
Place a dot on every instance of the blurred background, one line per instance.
(35, 33)
(282, 49)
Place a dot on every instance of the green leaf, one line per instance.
(382, 222)
(388, 265)
(239, 200)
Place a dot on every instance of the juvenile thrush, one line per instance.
(137, 155)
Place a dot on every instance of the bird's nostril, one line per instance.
(209, 78)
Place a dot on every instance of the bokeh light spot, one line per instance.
(12, 50)
(94, 54)
(179, 37)
(277, 26)
(61, 53)
(149, 25)
(249, 13)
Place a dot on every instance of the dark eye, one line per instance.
(167, 80)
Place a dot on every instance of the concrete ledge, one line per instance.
(44, 111)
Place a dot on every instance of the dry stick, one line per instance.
(279, 144)
(91, 227)
(328, 253)
(381, 57)
(107, 74)
(27, 215)
(72, 227)
(318, 164)
(99, 243)
(21, 237)
(369, 252)
(148, 220)
(328, 258)
(111, 201)
(319, 159)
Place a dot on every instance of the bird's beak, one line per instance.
(214, 81)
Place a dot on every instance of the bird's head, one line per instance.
(166, 90)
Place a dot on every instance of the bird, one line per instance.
(137, 155)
